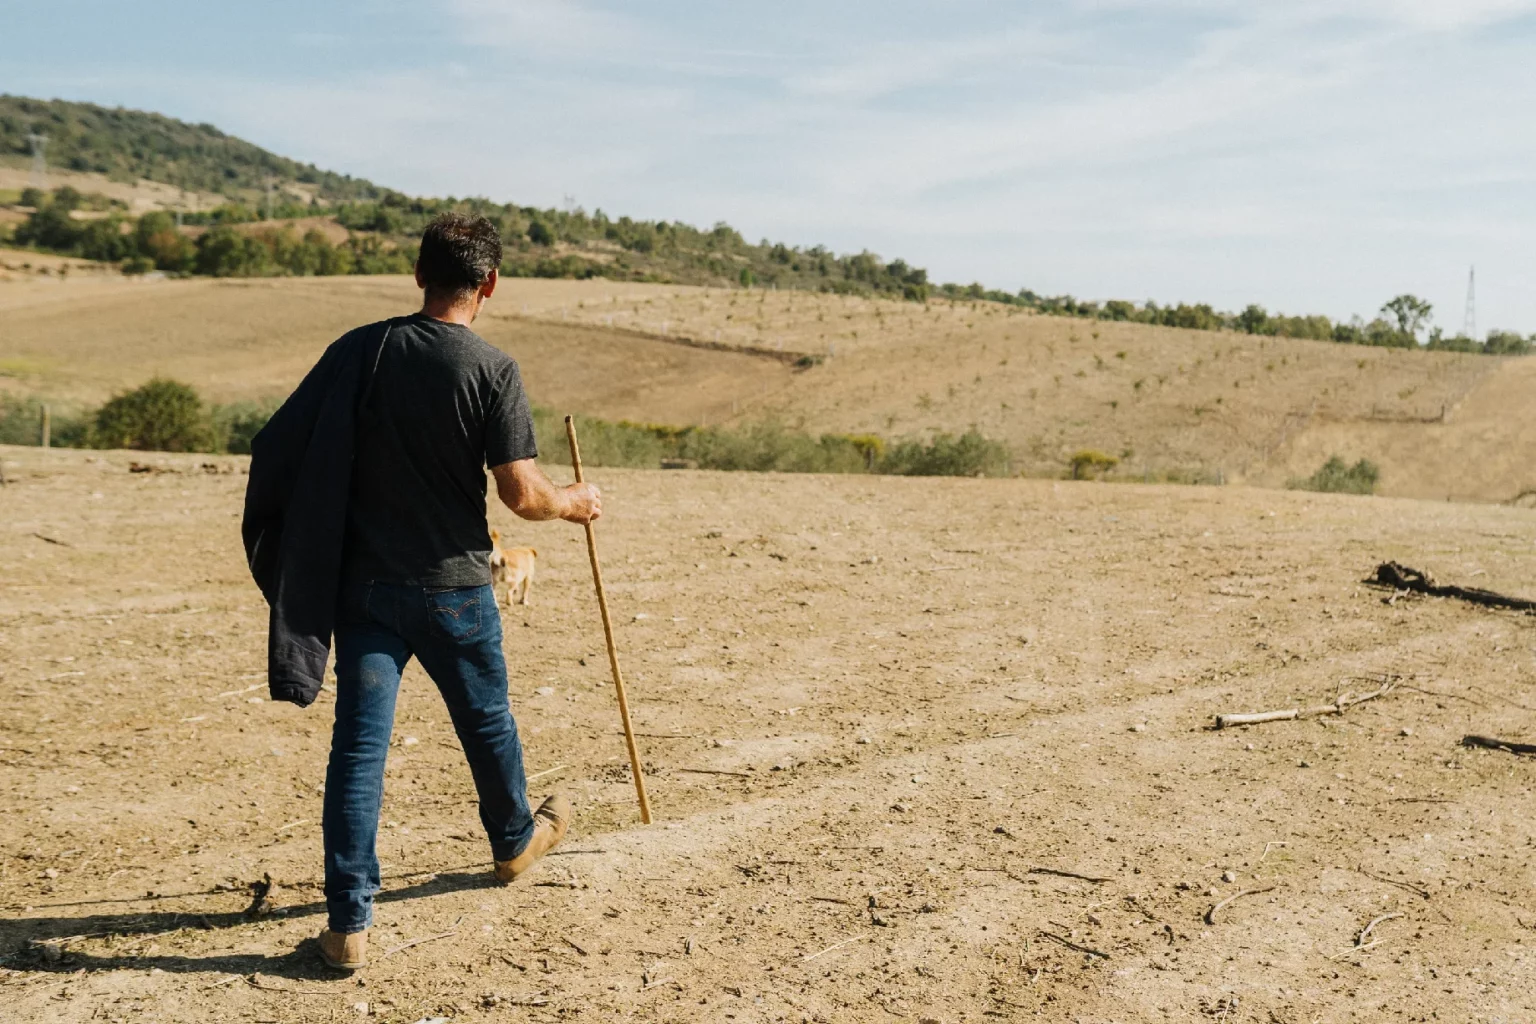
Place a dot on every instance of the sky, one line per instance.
(1313, 156)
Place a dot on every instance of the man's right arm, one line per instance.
(531, 494)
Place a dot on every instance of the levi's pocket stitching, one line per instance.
(454, 620)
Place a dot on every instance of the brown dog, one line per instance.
(512, 567)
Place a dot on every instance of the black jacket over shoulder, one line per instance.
(296, 510)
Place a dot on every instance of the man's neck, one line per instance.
(461, 312)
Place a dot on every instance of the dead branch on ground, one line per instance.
(1403, 578)
(1492, 743)
(1338, 707)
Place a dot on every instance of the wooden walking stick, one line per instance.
(613, 654)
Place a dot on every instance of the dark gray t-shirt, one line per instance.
(443, 406)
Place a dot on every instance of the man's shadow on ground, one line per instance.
(42, 944)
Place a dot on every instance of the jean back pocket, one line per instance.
(455, 614)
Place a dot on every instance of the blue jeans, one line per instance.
(457, 636)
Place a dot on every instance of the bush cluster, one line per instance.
(167, 415)
(153, 242)
(773, 447)
(1403, 321)
(161, 415)
(1338, 477)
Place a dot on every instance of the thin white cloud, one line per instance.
(1308, 155)
(555, 28)
(891, 67)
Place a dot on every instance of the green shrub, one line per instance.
(234, 425)
(225, 252)
(1337, 477)
(1088, 464)
(539, 234)
(970, 454)
(769, 448)
(162, 415)
(602, 443)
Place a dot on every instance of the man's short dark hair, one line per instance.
(458, 253)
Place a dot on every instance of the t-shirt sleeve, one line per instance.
(509, 425)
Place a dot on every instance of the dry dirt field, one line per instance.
(888, 725)
(1169, 404)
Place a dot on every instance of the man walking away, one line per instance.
(365, 516)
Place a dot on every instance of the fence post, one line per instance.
(46, 426)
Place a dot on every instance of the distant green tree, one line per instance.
(1507, 343)
(155, 238)
(745, 277)
(1438, 342)
(1253, 320)
(1410, 313)
(67, 197)
(105, 240)
(539, 234)
(50, 227)
(225, 252)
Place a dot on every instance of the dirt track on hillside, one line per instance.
(914, 696)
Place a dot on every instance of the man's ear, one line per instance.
(490, 284)
(419, 282)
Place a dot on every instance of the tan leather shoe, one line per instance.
(550, 821)
(345, 952)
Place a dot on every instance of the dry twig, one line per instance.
(414, 942)
(1066, 874)
(1366, 931)
(1073, 945)
(255, 982)
(1210, 915)
(835, 945)
(1408, 886)
(1338, 707)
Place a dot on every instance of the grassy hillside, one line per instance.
(129, 144)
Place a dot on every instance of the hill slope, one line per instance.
(126, 145)
(1170, 404)
(130, 146)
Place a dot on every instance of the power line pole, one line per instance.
(1469, 322)
(39, 145)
